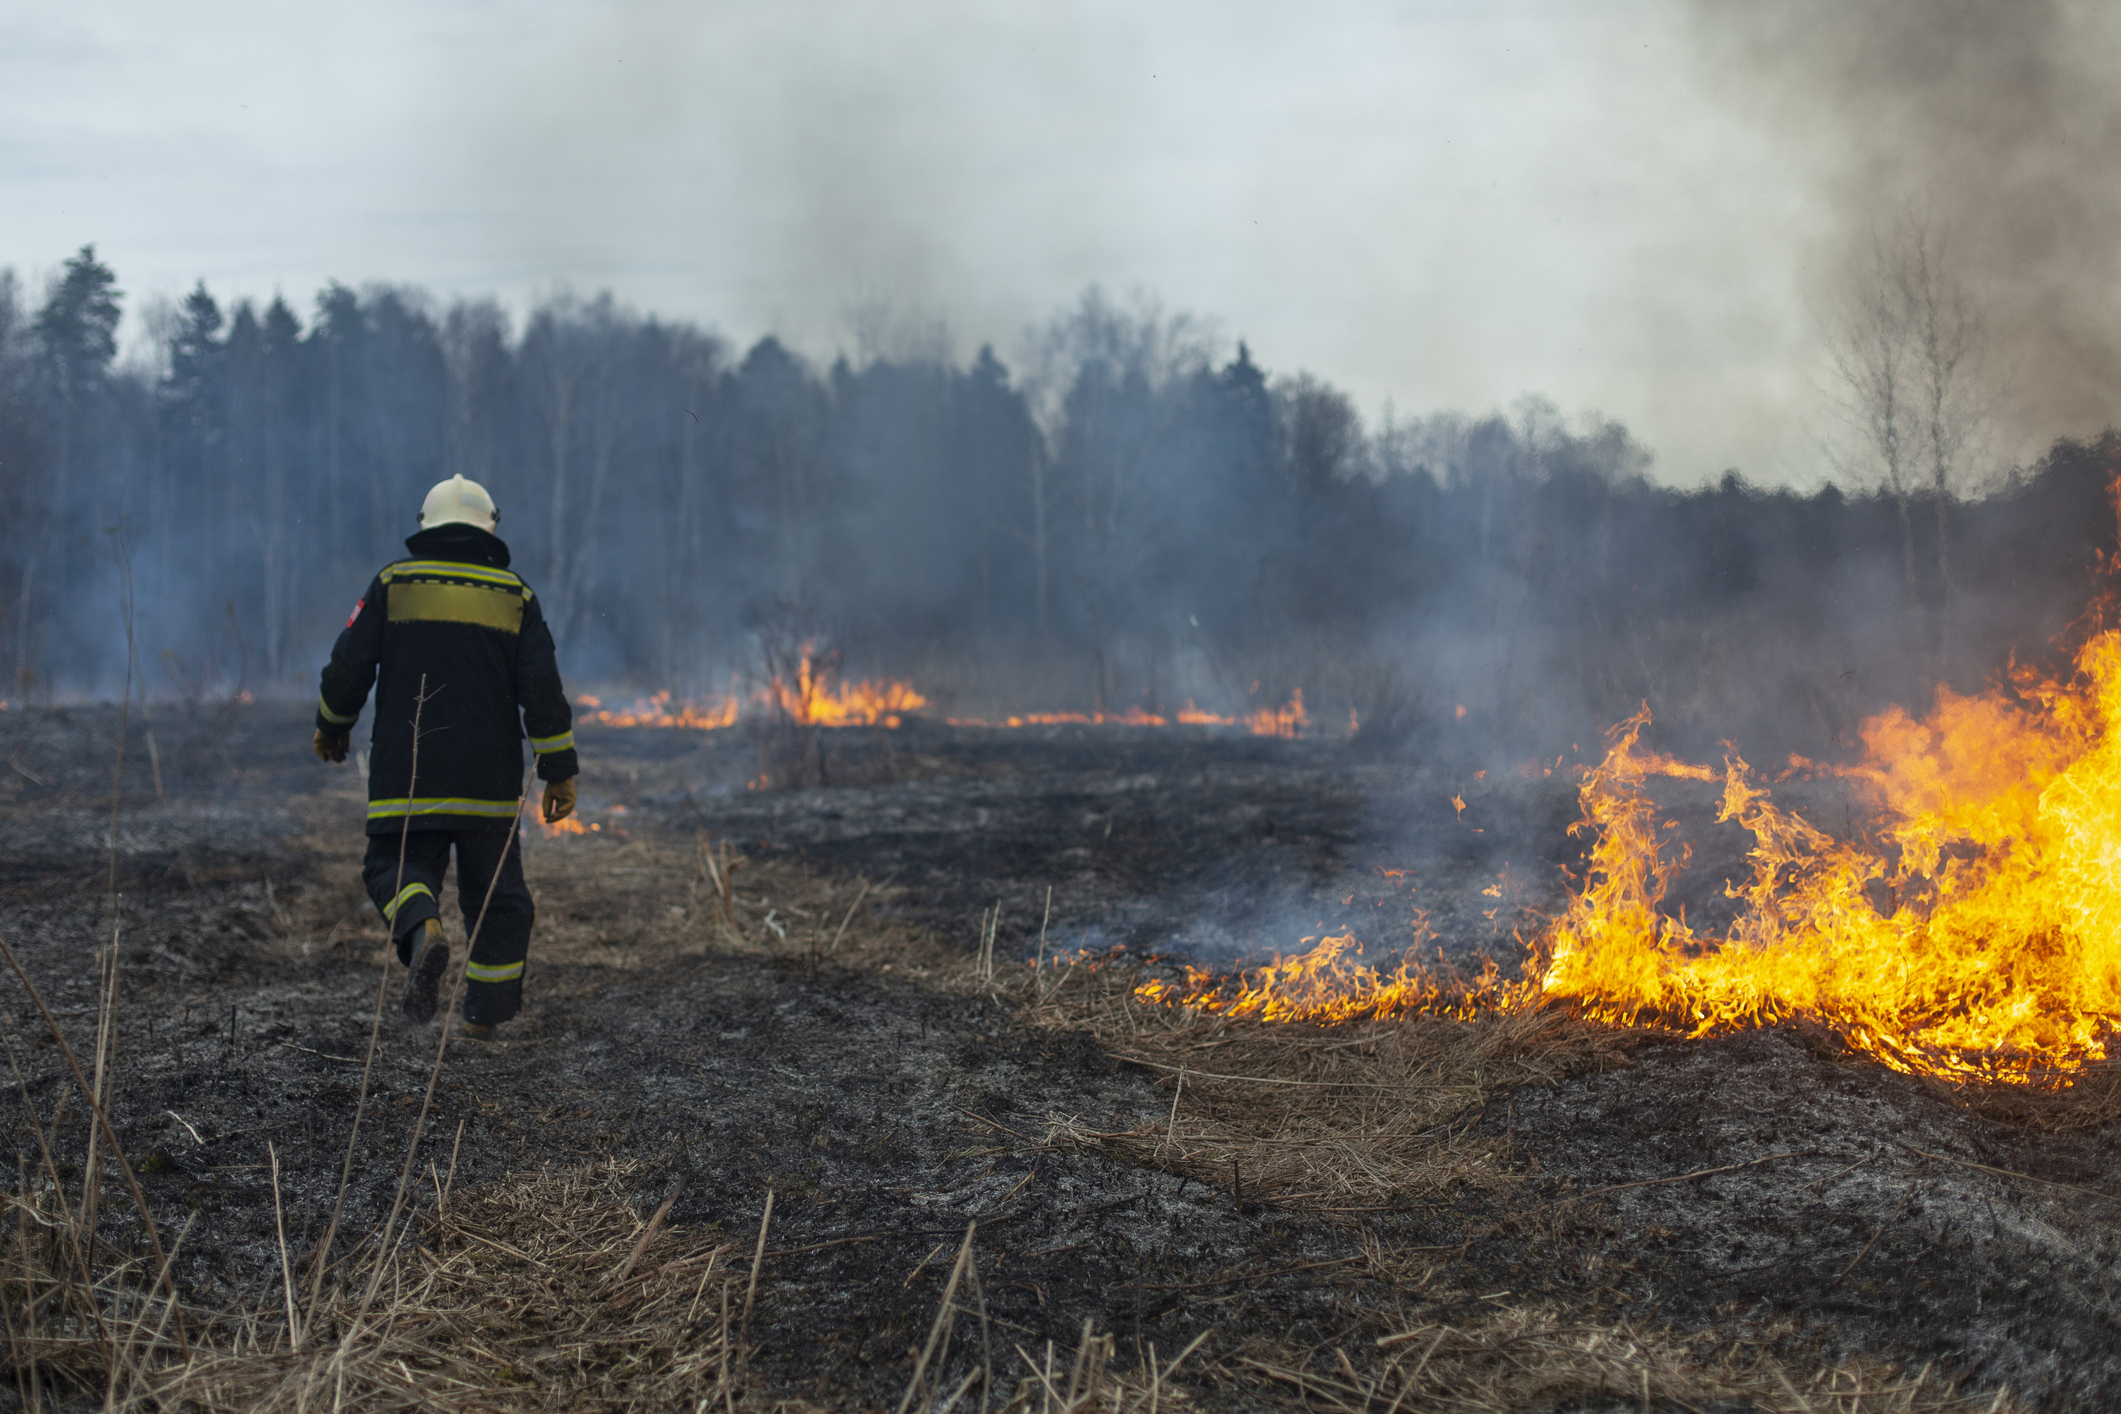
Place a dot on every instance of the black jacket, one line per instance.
(455, 615)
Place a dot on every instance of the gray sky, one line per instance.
(1446, 205)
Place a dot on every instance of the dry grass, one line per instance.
(1531, 1358)
(1350, 1117)
(543, 1293)
(1086, 1382)
(2090, 1100)
(559, 1291)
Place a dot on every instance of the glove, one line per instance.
(559, 800)
(332, 746)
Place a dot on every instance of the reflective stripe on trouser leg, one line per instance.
(493, 979)
(406, 901)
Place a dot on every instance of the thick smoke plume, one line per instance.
(1994, 124)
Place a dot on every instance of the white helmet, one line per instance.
(458, 502)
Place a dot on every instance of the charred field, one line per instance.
(822, 995)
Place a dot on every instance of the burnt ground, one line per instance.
(1841, 1210)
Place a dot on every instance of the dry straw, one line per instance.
(534, 1294)
(1352, 1117)
(1527, 1359)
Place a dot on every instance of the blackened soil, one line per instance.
(885, 1110)
(1847, 1202)
(1194, 842)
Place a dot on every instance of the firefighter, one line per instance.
(453, 638)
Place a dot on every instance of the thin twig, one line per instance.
(2009, 1173)
(287, 1271)
(758, 1258)
(1269, 1080)
(1683, 1177)
(849, 918)
(939, 1331)
(655, 1225)
(1904, 1199)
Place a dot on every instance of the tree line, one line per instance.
(1137, 514)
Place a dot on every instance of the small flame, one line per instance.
(1332, 983)
(658, 710)
(1284, 721)
(816, 699)
(813, 698)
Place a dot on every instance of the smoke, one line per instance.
(804, 168)
(1993, 123)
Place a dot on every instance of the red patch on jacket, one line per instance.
(359, 605)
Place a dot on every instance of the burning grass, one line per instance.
(1969, 932)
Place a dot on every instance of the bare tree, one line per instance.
(1906, 354)
(1870, 353)
(1949, 337)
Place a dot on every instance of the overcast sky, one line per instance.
(1444, 205)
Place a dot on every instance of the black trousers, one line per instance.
(493, 980)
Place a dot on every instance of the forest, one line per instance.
(1139, 513)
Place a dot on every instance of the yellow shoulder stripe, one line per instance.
(415, 601)
(453, 569)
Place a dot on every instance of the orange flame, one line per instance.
(1973, 934)
(707, 714)
(816, 699)
(812, 699)
(1976, 936)
(1285, 721)
(1332, 983)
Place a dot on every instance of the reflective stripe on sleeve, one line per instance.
(410, 891)
(440, 805)
(480, 972)
(324, 711)
(546, 745)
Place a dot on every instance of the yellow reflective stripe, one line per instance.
(324, 711)
(454, 570)
(546, 745)
(390, 910)
(440, 805)
(456, 603)
(480, 972)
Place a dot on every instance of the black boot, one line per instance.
(430, 959)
